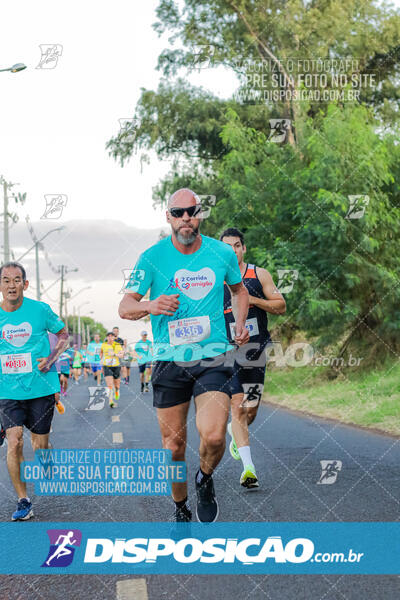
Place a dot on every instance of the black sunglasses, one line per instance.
(192, 211)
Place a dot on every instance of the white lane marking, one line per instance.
(132, 589)
(118, 438)
(115, 418)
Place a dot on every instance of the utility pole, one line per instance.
(18, 198)
(37, 245)
(63, 269)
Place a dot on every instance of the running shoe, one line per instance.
(24, 510)
(60, 407)
(233, 449)
(112, 404)
(207, 506)
(248, 478)
(2, 434)
(183, 515)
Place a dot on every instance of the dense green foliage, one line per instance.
(291, 199)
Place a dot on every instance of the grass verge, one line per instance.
(367, 398)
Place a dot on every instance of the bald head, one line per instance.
(183, 197)
(183, 217)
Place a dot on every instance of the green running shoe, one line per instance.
(248, 478)
(232, 446)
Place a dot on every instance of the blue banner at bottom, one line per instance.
(196, 548)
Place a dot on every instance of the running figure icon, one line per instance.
(62, 549)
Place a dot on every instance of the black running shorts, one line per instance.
(35, 414)
(112, 372)
(175, 383)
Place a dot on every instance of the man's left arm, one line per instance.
(61, 345)
(274, 302)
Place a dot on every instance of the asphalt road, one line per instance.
(287, 450)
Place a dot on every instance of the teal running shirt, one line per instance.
(23, 339)
(197, 329)
(144, 352)
(93, 353)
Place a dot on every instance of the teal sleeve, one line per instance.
(53, 322)
(141, 276)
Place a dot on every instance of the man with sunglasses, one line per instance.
(185, 273)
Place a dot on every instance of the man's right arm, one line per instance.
(132, 306)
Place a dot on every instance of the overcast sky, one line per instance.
(54, 125)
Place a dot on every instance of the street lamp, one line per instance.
(15, 68)
(36, 246)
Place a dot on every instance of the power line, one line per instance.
(40, 245)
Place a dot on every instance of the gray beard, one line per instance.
(186, 241)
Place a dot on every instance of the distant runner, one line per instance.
(93, 353)
(248, 381)
(29, 378)
(77, 364)
(110, 353)
(118, 339)
(144, 351)
(85, 362)
(126, 361)
(62, 365)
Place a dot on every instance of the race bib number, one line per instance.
(189, 331)
(251, 325)
(16, 363)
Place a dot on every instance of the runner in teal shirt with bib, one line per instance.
(23, 340)
(28, 375)
(197, 329)
(185, 274)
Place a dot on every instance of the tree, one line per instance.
(295, 212)
(86, 323)
(291, 199)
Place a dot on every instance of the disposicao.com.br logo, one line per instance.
(191, 550)
(220, 548)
